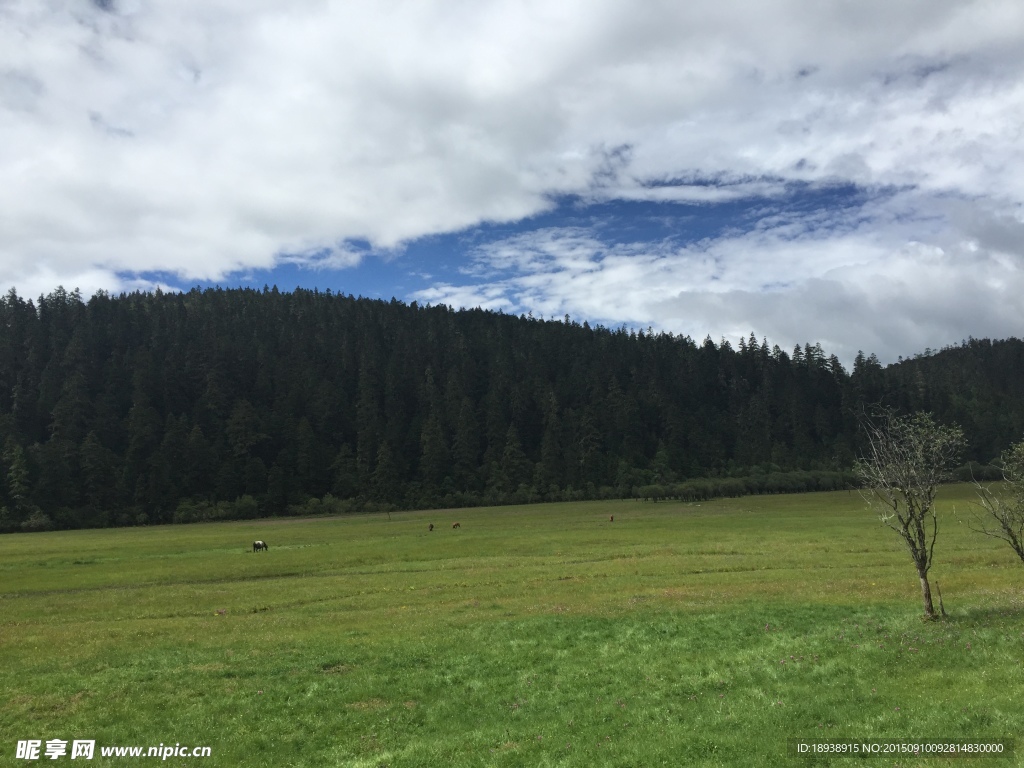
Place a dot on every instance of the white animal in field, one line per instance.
(260, 544)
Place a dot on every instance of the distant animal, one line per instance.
(431, 527)
(456, 525)
(611, 518)
(258, 545)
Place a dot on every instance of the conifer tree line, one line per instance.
(217, 404)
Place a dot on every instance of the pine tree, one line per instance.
(466, 446)
(551, 454)
(516, 468)
(99, 479)
(385, 487)
(19, 507)
(435, 460)
(345, 484)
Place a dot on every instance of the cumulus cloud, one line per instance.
(200, 140)
(852, 279)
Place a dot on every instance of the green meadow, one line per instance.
(545, 635)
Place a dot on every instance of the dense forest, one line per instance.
(152, 408)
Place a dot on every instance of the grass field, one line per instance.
(679, 634)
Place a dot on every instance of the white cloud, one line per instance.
(199, 139)
(851, 279)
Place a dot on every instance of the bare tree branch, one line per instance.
(1002, 514)
(907, 458)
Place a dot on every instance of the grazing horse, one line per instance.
(456, 525)
(260, 544)
(431, 527)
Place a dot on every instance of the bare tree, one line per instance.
(908, 457)
(1003, 511)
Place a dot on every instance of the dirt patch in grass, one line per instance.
(49, 704)
(368, 705)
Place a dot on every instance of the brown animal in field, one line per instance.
(431, 527)
(456, 525)
(611, 518)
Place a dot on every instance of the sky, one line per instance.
(847, 172)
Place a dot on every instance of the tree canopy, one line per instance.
(156, 407)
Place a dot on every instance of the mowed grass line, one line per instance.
(680, 634)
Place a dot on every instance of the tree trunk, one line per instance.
(926, 596)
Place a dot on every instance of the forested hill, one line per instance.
(160, 407)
